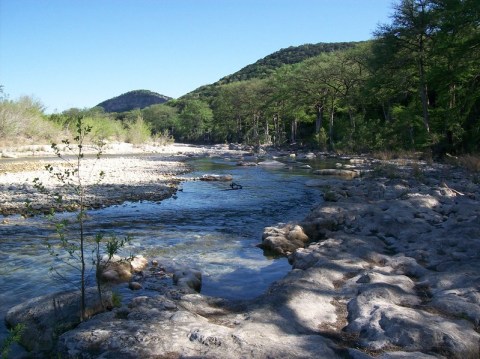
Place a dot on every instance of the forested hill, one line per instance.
(291, 55)
(266, 66)
(137, 99)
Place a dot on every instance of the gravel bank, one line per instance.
(130, 174)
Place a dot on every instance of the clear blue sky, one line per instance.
(77, 53)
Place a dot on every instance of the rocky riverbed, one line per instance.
(391, 269)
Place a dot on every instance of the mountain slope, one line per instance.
(291, 55)
(267, 65)
(131, 100)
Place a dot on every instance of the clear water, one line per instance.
(207, 226)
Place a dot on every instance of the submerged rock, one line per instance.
(188, 278)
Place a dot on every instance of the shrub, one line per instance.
(164, 138)
(103, 128)
(470, 162)
(138, 131)
(23, 121)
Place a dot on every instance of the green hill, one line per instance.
(132, 100)
(267, 65)
(291, 55)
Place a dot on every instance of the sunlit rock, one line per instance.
(283, 239)
(337, 172)
(213, 177)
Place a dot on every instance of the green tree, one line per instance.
(454, 73)
(406, 43)
(23, 120)
(71, 249)
(161, 118)
(286, 106)
(195, 120)
(229, 113)
(71, 178)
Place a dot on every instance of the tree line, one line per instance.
(414, 86)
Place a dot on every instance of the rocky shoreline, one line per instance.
(391, 269)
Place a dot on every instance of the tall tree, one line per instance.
(195, 120)
(408, 38)
(161, 117)
(455, 73)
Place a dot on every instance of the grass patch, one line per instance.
(470, 162)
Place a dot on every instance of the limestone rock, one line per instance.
(118, 270)
(213, 177)
(271, 163)
(139, 263)
(337, 172)
(46, 317)
(284, 238)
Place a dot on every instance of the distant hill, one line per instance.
(137, 99)
(266, 66)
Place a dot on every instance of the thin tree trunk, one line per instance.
(293, 132)
(330, 129)
(423, 86)
(424, 97)
(276, 130)
(319, 119)
(267, 134)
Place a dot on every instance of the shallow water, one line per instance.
(207, 225)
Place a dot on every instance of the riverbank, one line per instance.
(393, 272)
(130, 173)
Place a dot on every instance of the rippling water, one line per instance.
(208, 226)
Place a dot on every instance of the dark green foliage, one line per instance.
(415, 86)
(291, 55)
(132, 100)
(267, 66)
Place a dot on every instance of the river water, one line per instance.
(207, 226)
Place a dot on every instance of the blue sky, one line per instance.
(77, 53)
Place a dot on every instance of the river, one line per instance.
(206, 225)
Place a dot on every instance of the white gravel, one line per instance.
(130, 174)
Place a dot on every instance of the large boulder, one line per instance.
(283, 239)
(118, 269)
(45, 318)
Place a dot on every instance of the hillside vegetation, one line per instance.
(267, 66)
(289, 56)
(415, 86)
(132, 100)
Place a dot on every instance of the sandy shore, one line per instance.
(131, 173)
